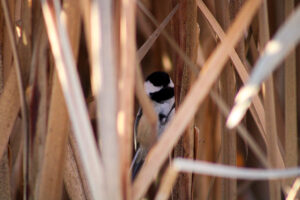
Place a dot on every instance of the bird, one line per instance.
(160, 89)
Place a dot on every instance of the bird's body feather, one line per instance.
(160, 88)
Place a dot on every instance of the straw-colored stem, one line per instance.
(291, 136)
(50, 185)
(126, 88)
(227, 89)
(239, 66)
(242, 131)
(294, 190)
(77, 110)
(20, 87)
(211, 169)
(185, 32)
(72, 180)
(269, 100)
(4, 178)
(152, 38)
(104, 87)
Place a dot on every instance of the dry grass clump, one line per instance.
(71, 76)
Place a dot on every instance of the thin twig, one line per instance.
(211, 169)
(152, 38)
(202, 167)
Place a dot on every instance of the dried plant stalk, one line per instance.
(105, 90)
(240, 67)
(271, 127)
(65, 66)
(152, 38)
(211, 169)
(84, 181)
(4, 178)
(9, 108)
(72, 178)
(227, 87)
(294, 190)
(202, 167)
(275, 51)
(291, 141)
(50, 186)
(20, 87)
(186, 35)
(127, 74)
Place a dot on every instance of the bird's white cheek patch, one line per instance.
(150, 88)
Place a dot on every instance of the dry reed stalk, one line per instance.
(208, 121)
(50, 185)
(1, 53)
(291, 141)
(204, 145)
(58, 121)
(76, 154)
(38, 103)
(25, 44)
(20, 87)
(65, 66)
(104, 87)
(126, 83)
(58, 125)
(169, 39)
(272, 55)
(15, 149)
(199, 90)
(73, 24)
(294, 190)
(161, 52)
(7, 54)
(9, 108)
(227, 87)
(242, 131)
(186, 36)
(152, 38)
(167, 184)
(239, 66)
(105, 90)
(211, 169)
(142, 24)
(143, 99)
(273, 152)
(72, 178)
(5, 189)
(207, 40)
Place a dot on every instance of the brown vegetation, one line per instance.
(71, 77)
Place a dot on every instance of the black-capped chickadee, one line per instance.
(160, 88)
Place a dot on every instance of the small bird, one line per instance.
(160, 88)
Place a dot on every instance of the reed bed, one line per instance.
(71, 81)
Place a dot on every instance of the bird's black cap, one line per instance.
(159, 79)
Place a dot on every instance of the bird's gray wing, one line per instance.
(136, 123)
